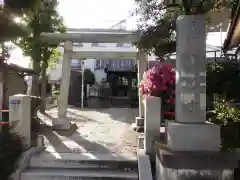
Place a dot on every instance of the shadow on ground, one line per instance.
(62, 141)
(125, 115)
(107, 131)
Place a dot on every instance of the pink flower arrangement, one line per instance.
(159, 81)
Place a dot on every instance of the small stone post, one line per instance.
(152, 122)
(20, 115)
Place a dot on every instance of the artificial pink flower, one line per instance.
(159, 81)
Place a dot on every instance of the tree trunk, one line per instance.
(43, 86)
(36, 57)
(3, 102)
(35, 79)
(1, 87)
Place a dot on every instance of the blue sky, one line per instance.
(97, 14)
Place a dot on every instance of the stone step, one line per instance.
(83, 160)
(75, 174)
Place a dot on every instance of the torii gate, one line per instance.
(91, 36)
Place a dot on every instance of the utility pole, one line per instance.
(221, 25)
(82, 88)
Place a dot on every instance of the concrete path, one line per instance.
(93, 131)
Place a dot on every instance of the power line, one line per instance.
(121, 24)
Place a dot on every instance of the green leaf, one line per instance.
(153, 20)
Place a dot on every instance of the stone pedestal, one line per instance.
(188, 165)
(193, 137)
(152, 122)
(20, 116)
(62, 122)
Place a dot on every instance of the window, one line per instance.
(115, 63)
(77, 44)
(119, 64)
(98, 45)
(102, 66)
(120, 44)
(101, 45)
(124, 45)
(76, 63)
(125, 63)
(133, 63)
(94, 44)
(110, 66)
(97, 65)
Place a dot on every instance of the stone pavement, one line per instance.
(93, 131)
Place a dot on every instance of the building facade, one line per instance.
(97, 66)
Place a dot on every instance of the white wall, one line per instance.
(14, 85)
(100, 75)
(89, 64)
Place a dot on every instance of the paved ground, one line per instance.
(95, 131)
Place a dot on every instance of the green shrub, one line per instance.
(11, 147)
(89, 77)
(55, 92)
(222, 79)
(228, 119)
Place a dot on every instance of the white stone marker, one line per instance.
(20, 115)
(152, 122)
(190, 132)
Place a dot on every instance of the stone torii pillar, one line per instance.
(62, 122)
(142, 59)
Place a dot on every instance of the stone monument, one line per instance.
(192, 147)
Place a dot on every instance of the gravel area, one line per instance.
(93, 130)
